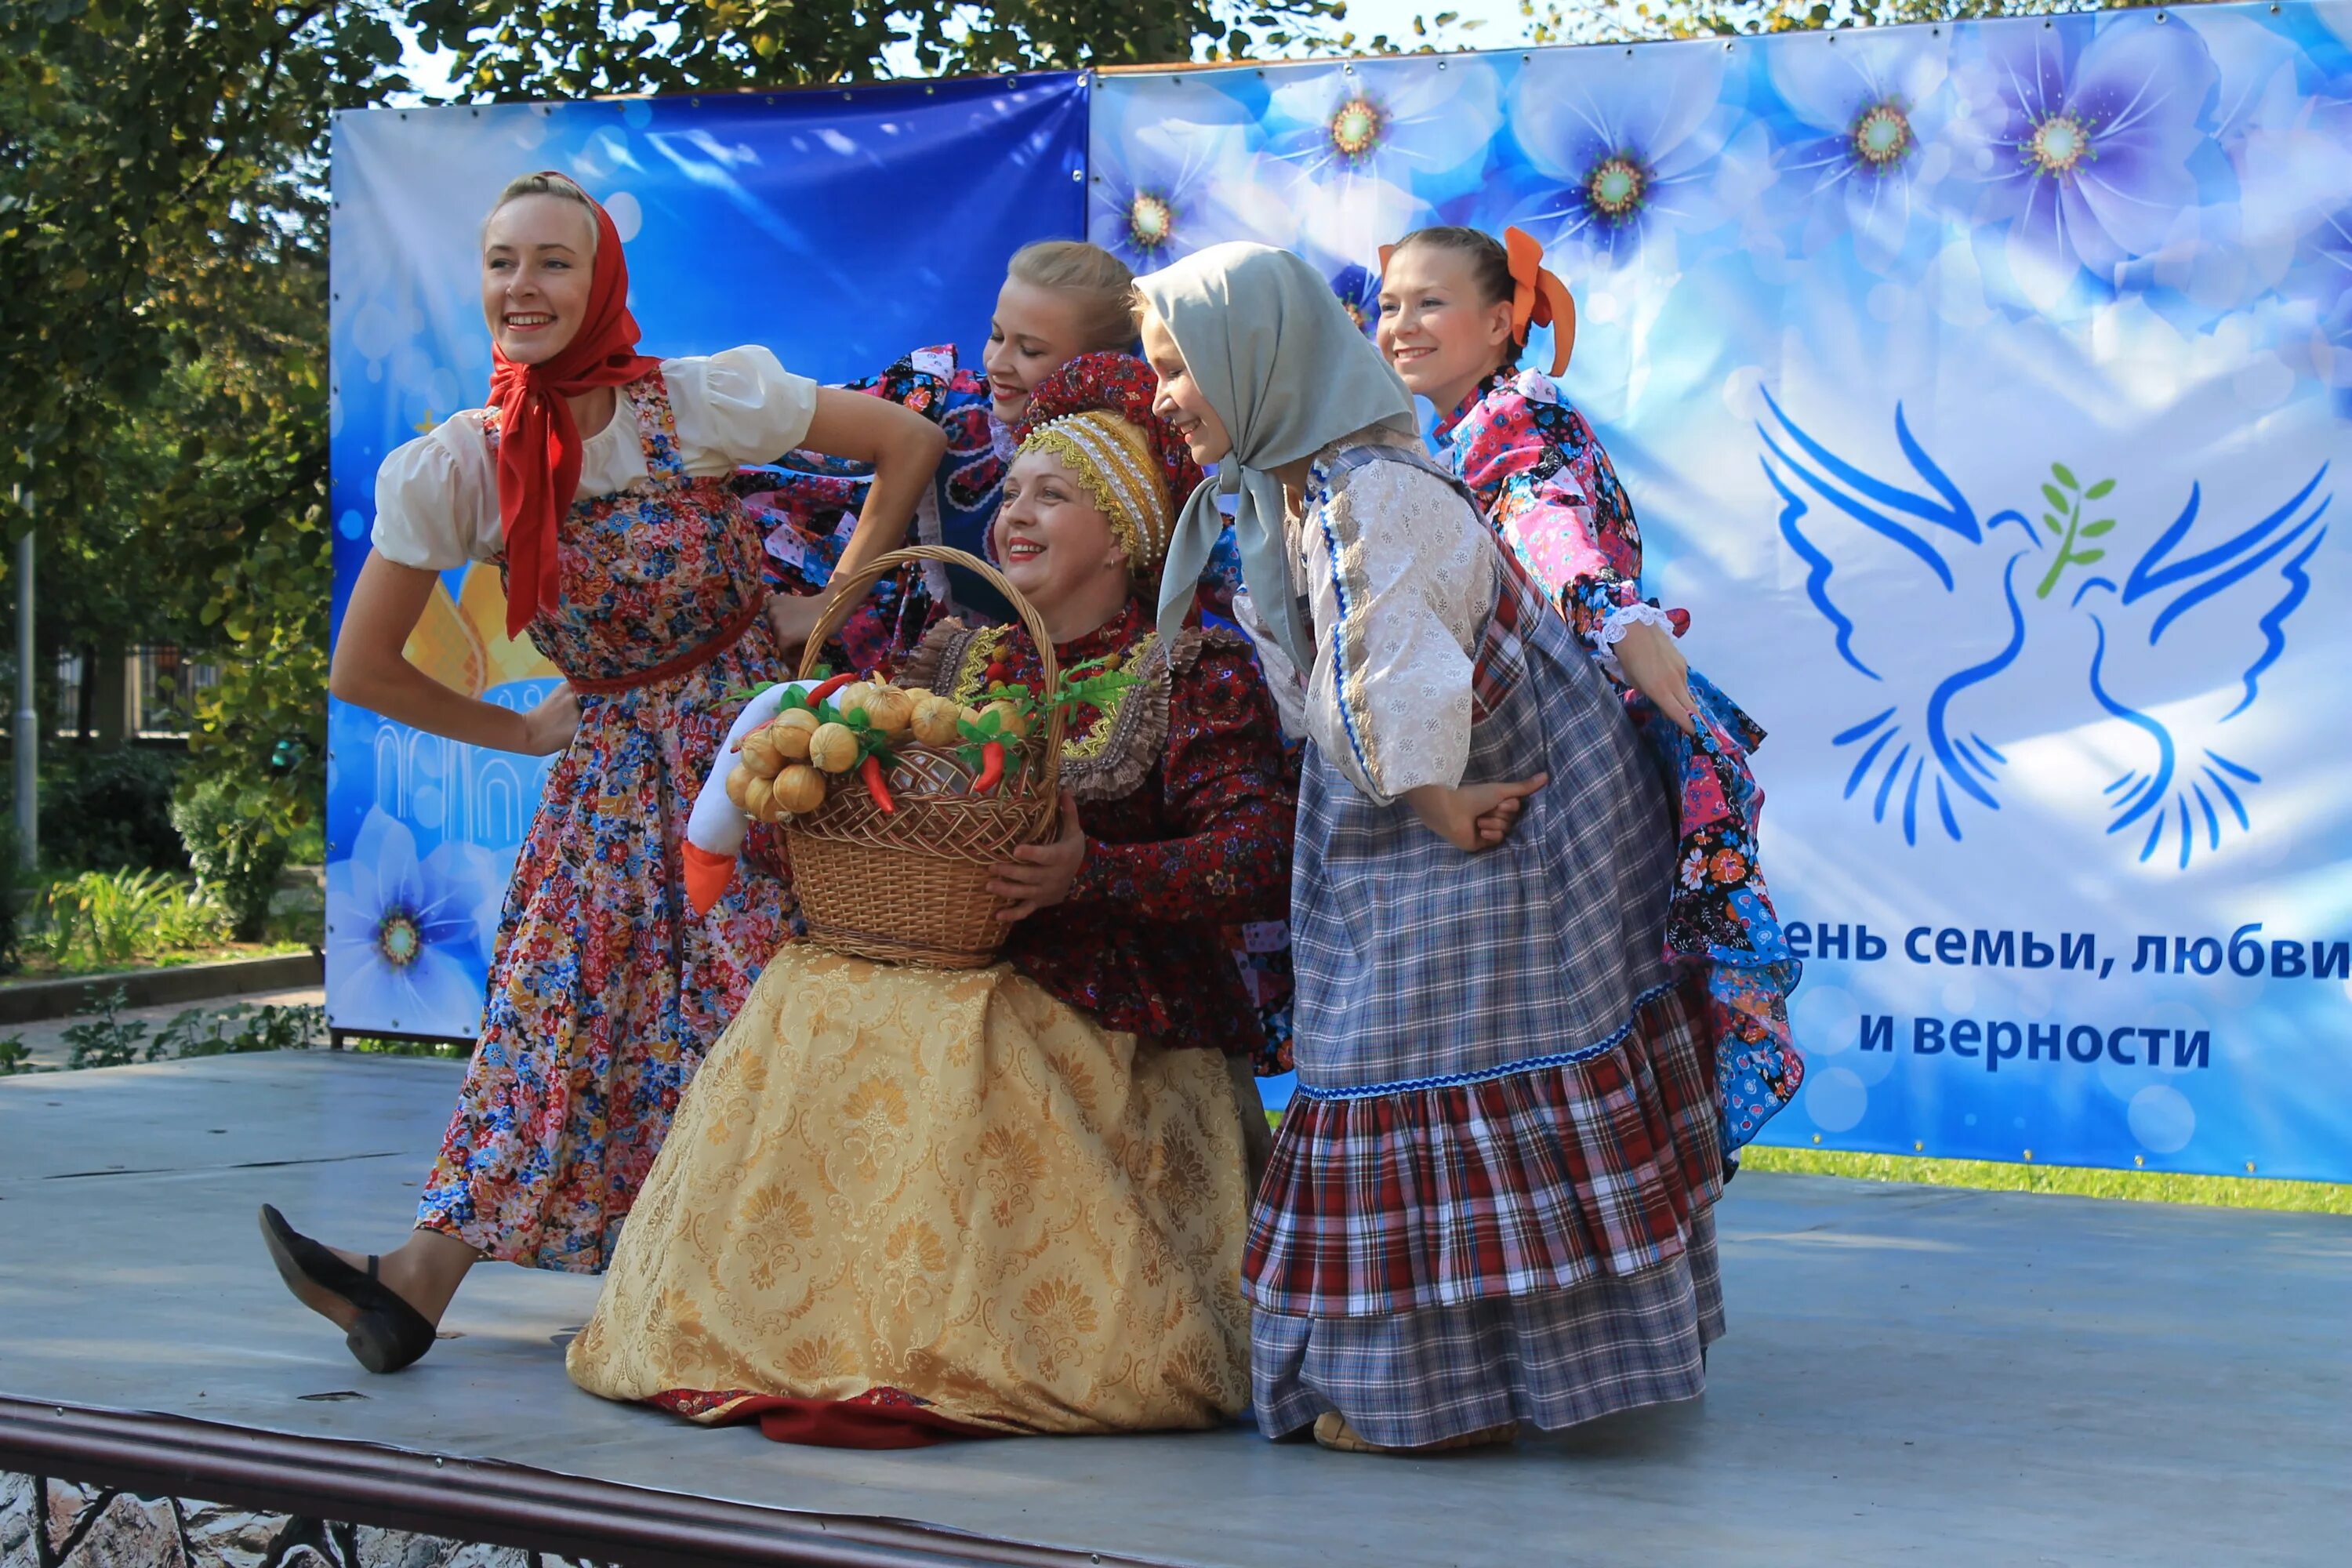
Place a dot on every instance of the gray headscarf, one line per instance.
(1288, 372)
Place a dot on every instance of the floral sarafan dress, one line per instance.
(605, 992)
(1547, 488)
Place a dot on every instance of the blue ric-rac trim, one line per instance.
(1339, 626)
(1488, 1075)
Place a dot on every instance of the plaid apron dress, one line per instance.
(1489, 1199)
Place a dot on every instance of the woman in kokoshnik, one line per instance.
(1062, 303)
(1456, 308)
(598, 481)
(1490, 1200)
(1026, 1214)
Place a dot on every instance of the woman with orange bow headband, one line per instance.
(597, 484)
(1456, 307)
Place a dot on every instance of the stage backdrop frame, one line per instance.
(1979, 388)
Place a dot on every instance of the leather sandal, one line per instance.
(387, 1333)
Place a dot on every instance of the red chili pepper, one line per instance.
(991, 768)
(827, 688)
(871, 770)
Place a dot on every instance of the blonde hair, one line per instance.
(557, 185)
(1100, 279)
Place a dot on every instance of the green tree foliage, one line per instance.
(561, 48)
(163, 311)
(1627, 21)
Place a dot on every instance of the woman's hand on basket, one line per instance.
(793, 617)
(1042, 874)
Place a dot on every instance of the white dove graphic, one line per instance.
(1932, 603)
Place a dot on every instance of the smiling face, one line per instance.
(1035, 332)
(1181, 402)
(1440, 335)
(1055, 544)
(539, 259)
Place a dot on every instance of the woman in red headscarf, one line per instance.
(1456, 307)
(597, 482)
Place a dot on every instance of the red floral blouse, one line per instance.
(1188, 818)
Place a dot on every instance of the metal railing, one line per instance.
(158, 691)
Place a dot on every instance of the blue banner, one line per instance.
(841, 228)
(1981, 390)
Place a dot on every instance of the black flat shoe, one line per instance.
(386, 1334)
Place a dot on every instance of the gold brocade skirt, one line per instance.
(936, 1190)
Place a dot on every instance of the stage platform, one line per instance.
(1912, 1375)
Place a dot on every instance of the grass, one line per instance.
(1999, 1176)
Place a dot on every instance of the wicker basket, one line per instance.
(911, 886)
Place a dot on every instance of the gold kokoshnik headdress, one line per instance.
(1114, 462)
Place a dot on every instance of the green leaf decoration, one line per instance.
(2065, 476)
(2084, 557)
(2102, 488)
(857, 719)
(2058, 501)
(2057, 525)
(2093, 530)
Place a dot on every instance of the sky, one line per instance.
(1503, 28)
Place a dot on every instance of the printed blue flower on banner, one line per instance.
(2080, 136)
(1629, 156)
(2291, 226)
(1865, 146)
(1359, 288)
(406, 951)
(1174, 170)
(2327, 272)
(1426, 132)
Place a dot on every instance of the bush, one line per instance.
(15, 902)
(110, 1040)
(236, 848)
(104, 809)
(117, 917)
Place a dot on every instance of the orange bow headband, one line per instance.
(1538, 298)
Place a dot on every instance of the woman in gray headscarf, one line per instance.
(1491, 1200)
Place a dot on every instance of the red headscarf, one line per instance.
(1125, 386)
(539, 441)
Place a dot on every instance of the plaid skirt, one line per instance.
(1552, 1359)
(1502, 1088)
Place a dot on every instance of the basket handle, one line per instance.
(849, 592)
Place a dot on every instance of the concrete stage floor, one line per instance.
(1911, 1375)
